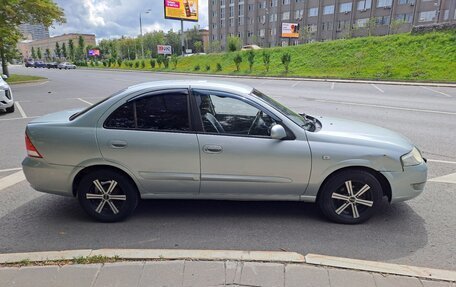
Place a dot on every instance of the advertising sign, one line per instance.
(94, 52)
(290, 30)
(186, 10)
(164, 49)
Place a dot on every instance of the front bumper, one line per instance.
(407, 184)
(5, 102)
(48, 178)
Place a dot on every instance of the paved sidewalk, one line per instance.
(201, 274)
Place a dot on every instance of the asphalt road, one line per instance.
(418, 232)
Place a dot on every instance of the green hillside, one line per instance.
(428, 57)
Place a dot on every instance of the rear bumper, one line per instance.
(48, 178)
(407, 184)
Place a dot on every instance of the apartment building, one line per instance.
(34, 31)
(260, 21)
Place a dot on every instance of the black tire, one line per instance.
(339, 205)
(10, 109)
(124, 188)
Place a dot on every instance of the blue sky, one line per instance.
(114, 18)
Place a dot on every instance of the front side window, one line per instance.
(165, 112)
(223, 114)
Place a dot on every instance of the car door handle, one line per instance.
(118, 144)
(212, 149)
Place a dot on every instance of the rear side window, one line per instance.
(166, 112)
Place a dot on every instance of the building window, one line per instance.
(446, 15)
(262, 4)
(286, 16)
(261, 33)
(313, 12)
(231, 22)
(241, 10)
(231, 11)
(273, 31)
(345, 7)
(262, 19)
(252, 20)
(361, 23)
(326, 26)
(427, 16)
(383, 20)
(299, 1)
(222, 2)
(328, 10)
(222, 12)
(312, 28)
(251, 7)
(384, 3)
(343, 24)
(364, 5)
(273, 3)
(273, 17)
(240, 20)
(286, 2)
(222, 22)
(407, 18)
(299, 14)
(404, 2)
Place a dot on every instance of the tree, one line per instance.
(174, 60)
(71, 49)
(198, 46)
(250, 59)
(57, 50)
(237, 61)
(64, 50)
(80, 51)
(47, 54)
(38, 53)
(33, 53)
(395, 25)
(14, 12)
(234, 43)
(215, 47)
(286, 59)
(266, 60)
(371, 25)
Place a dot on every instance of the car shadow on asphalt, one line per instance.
(56, 223)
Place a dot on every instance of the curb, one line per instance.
(329, 80)
(236, 255)
(28, 82)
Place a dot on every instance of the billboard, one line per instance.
(164, 49)
(290, 30)
(94, 52)
(186, 10)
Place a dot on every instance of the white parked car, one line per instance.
(66, 66)
(6, 96)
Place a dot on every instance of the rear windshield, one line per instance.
(76, 115)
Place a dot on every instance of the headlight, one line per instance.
(412, 158)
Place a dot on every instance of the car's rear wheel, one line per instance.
(351, 196)
(107, 195)
(10, 109)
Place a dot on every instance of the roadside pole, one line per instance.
(182, 37)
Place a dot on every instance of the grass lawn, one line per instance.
(17, 79)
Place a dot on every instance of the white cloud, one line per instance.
(116, 18)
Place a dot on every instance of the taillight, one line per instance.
(31, 150)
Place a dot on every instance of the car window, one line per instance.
(224, 114)
(168, 112)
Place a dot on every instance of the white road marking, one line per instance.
(438, 92)
(295, 84)
(332, 86)
(449, 178)
(85, 101)
(21, 110)
(387, 107)
(381, 91)
(11, 180)
(11, 119)
(442, 161)
(10, 169)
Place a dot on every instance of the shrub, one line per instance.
(266, 60)
(174, 60)
(136, 64)
(218, 67)
(143, 64)
(197, 67)
(166, 62)
(119, 62)
(208, 67)
(286, 59)
(234, 44)
(160, 60)
(250, 59)
(237, 61)
(152, 63)
(130, 64)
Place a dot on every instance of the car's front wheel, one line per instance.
(107, 195)
(351, 196)
(10, 109)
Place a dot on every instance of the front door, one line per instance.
(239, 159)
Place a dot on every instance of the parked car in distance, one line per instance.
(39, 64)
(219, 141)
(6, 96)
(29, 64)
(66, 66)
(52, 65)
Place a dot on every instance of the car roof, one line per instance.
(195, 84)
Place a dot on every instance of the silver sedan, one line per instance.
(221, 141)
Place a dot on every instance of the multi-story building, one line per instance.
(260, 21)
(25, 47)
(34, 31)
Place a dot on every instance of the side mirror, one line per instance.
(4, 77)
(278, 132)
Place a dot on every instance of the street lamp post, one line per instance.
(140, 31)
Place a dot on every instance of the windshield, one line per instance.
(296, 118)
(74, 116)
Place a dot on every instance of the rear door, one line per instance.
(152, 137)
